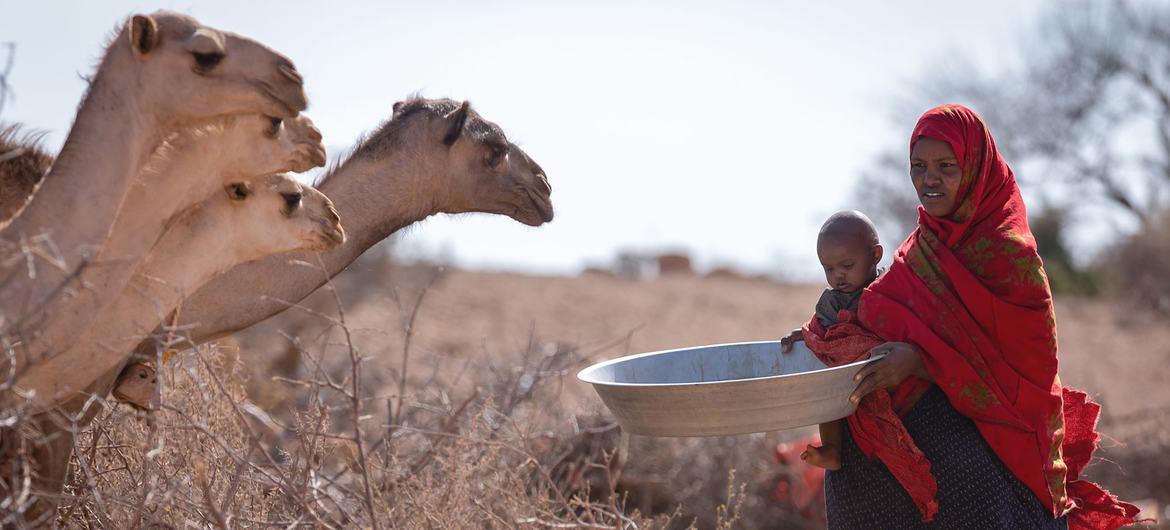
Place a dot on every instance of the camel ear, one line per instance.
(238, 191)
(456, 119)
(397, 105)
(143, 34)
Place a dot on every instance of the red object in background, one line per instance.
(800, 485)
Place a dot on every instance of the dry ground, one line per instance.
(1105, 348)
(483, 321)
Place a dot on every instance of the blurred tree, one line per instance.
(1139, 264)
(1082, 114)
(883, 192)
(1064, 275)
(1093, 102)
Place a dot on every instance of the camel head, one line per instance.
(276, 213)
(189, 72)
(255, 144)
(136, 386)
(476, 168)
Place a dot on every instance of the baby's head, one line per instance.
(849, 250)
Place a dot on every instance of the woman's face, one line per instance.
(936, 174)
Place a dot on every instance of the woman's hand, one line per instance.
(787, 342)
(902, 360)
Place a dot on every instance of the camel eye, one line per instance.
(274, 126)
(496, 154)
(207, 61)
(292, 200)
(238, 191)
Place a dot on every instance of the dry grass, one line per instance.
(210, 459)
(339, 456)
(447, 400)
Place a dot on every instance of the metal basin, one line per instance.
(723, 389)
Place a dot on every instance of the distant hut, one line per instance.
(669, 264)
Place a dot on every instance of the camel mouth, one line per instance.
(287, 107)
(541, 206)
(317, 156)
(331, 236)
(307, 156)
(327, 240)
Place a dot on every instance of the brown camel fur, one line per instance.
(267, 215)
(190, 165)
(432, 156)
(249, 220)
(162, 72)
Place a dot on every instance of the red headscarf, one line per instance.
(970, 290)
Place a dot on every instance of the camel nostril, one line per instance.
(543, 180)
(289, 71)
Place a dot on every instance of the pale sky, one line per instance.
(728, 129)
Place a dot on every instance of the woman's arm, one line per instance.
(902, 360)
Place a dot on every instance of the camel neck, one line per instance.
(139, 221)
(110, 140)
(197, 246)
(71, 214)
(376, 199)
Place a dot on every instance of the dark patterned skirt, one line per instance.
(975, 489)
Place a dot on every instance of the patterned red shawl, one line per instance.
(971, 292)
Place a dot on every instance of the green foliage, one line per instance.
(1064, 275)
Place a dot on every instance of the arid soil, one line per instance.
(470, 320)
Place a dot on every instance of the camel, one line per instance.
(433, 156)
(195, 162)
(160, 73)
(268, 215)
(190, 165)
(22, 166)
(137, 385)
(250, 219)
(229, 142)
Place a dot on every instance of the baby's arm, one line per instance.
(787, 342)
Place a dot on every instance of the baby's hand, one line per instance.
(786, 342)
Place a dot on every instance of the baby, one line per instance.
(848, 248)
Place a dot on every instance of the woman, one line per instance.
(971, 359)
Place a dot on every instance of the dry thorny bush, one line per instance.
(493, 446)
(499, 456)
